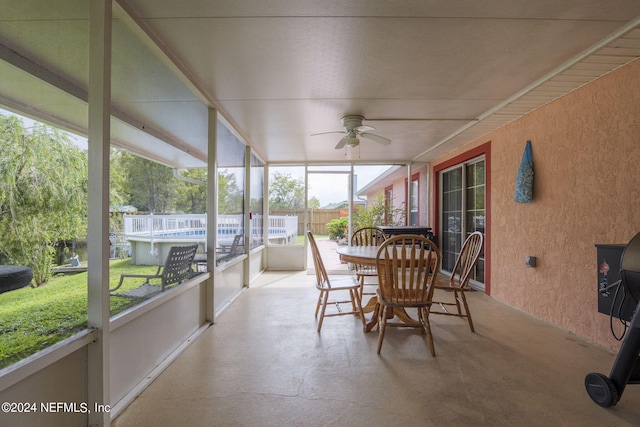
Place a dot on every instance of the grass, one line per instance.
(32, 319)
(300, 238)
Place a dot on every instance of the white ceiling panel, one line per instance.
(429, 75)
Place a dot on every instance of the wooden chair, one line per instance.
(407, 269)
(458, 283)
(327, 285)
(366, 236)
(176, 269)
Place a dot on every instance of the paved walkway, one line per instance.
(331, 260)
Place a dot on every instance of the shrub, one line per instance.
(337, 228)
(377, 213)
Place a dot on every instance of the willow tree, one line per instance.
(43, 193)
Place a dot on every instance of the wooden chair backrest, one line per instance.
(322, 278)
(368, 236)
(408, 266)
(467, 259)
(177, 266)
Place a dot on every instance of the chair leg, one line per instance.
(361, 290)
(353, 298)
(382, 323)
(468, 313)
(456, 298)
(424, 315)
(358, 302)
(320, 295)
(324, 308)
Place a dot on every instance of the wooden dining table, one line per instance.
(367, 255)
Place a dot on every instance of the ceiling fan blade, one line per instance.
(376, 138)
(342, 142)
(324, 133)
(364, 128)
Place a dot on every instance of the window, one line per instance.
(256, 209)
(231, 184)
(413, 213)
(388, 204)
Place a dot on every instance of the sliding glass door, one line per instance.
(463, 211)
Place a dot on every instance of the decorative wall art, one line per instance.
(524, 177)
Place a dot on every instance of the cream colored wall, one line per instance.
(586, 149)
(423, 199)
(63, 381)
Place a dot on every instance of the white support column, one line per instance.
(98, 208)
(408, 191)
(212, 209)
(306, 219)
(352, 192)
(425, 200)
(248, 233)
(266, 214)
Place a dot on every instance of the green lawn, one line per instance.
(32, 319)
(300, 238)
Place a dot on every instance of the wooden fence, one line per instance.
(318, 218)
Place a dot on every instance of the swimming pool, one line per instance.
(151, 236)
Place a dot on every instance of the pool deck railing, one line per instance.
(282, 229)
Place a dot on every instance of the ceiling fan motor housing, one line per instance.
(352, 121)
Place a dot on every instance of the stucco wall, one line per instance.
(399, 188)
(586, 149)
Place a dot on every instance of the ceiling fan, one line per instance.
(354, 128)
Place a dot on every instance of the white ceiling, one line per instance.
(430, 75)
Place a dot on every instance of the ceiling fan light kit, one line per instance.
(353, 141)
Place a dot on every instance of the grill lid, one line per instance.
(631, 255)
(630, 268)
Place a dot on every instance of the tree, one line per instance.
(117, 179)
(230, 196)
(192, 197)
(150, 185)
(286, 192)
(313, 203)
(43, 193)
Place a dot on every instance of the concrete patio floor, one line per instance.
(263, 364)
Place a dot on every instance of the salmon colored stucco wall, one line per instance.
(586, 149)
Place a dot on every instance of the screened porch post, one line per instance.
(212, 209)
(98, 208)
(408, 192)
(248, 232)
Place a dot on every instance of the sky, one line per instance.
(78, 141)
(332, 187)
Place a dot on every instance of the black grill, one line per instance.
(606, 391)
(630, 268)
